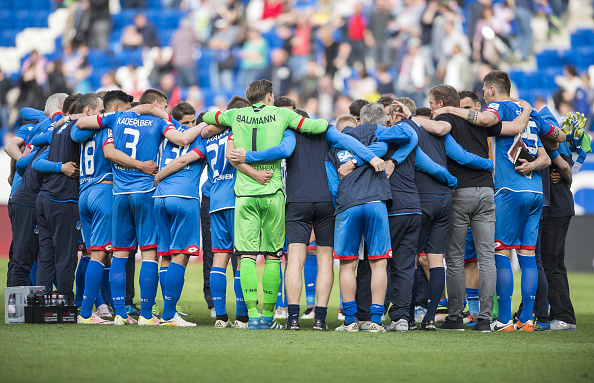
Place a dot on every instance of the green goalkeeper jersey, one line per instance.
(260, 127)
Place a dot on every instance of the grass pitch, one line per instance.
(52, 353)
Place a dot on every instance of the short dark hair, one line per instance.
(113, 96)
(257, 91)
(499, 80)
(470, 94)
(302, 112)
(135, 103)
(151, 95)
(447, 94)
(284, 102)
(182, 109)
(424, 112)
(386, 99)
(69, 102)
(355, 107)
(238, 102)
(90, 99)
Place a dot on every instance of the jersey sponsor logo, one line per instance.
(134, 121)
(85, 180)
(493, 105)
(264, 167)
(223, 177)
(192, 249)
(256, 120)
(120, 167)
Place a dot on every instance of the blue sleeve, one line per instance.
(378, 149)
(42, 139)
(425, 164)
(552, 155)
(284, 150)
(543, 126)
(402, 134)
(106, 120)
(23, 162)
(337, 139)
(24, 132)
(333, 180)
(32, 114)
(41, 164)
(79, 135)
(461, 156)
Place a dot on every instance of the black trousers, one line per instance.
(25, 243)
(10, 252)
(206, 248)
(363, 292)
(553, 260)
(58, 242)
(404, 232)
(130, 277)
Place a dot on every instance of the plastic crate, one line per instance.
(20, 294)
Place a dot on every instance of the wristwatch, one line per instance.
(354, 161)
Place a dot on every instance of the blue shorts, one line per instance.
(221, 230)
(133, 221)
(95, 207)
(179, 225)
(369, 220)
(517, 215)
(469, 249)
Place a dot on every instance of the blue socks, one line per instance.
(106, 287)
(472, 295)
(81, 271)
(162, 275)
(349, 309)
(376, 313)
(240, 307)
(529, 285)
(148, 281)
(436, 284)
(505, 288)
(93, 278)
(117, 280)
(310, 274)
(174, 286)
(218, 289)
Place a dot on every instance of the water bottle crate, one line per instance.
(19, 293)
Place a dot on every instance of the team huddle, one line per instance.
(388, 188)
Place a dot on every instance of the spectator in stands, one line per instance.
(161, 66)
(56, 78)
(415, 73)
(36, 64)
(356, 30)
(133, 81)
(100, 24)
(184, 44)
(141, 34)
(456, 70)
(523, 40)
(127, 4)
(378, 25)
(385, 80)
(364, 87)
(279, 72)
(300, 45)
(5, 86)
(108, 82)
(225, 36)
(254, 55)
(326, 96)
(173, 92)
(31, 92)
(308, 84)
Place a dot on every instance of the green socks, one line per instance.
(249, 285)
(495, 308)
(270, 282)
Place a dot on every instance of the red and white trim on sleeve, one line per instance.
(195, 150)
(57, 113)
(502, 246)
(550, 131)
(230, 138)
(387, 254)
(169, 118)
(222, 250)
(190, 250)
(169, 127)
(493, 111)
(108, 141)
(300, 123)
(217, 114)
(100, 121)
(30, 146)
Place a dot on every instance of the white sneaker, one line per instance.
(93, 319)
(383, 317)
(557, 324)
(500, 326)
(104, 311)
(153, 321)
(420, 312)
(374, 327)
(309, 313)
(353, 327)
(176, 321)
(401, 325)
(222, 324)
(281, 313)
(213, 313)
(439, 318)
(120, 321)
(340, 315)
(363, 325)
(240, 324)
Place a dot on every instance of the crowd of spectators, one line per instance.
(316, 51)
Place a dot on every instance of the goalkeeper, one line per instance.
(260, 201)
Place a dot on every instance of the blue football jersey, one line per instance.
(94, 167)
(506, 176)
(139, 136)
(185, 182)
(222, 195)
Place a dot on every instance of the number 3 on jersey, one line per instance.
(132, 145)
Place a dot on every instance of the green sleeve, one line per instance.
(305, 125)
(218, 117)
